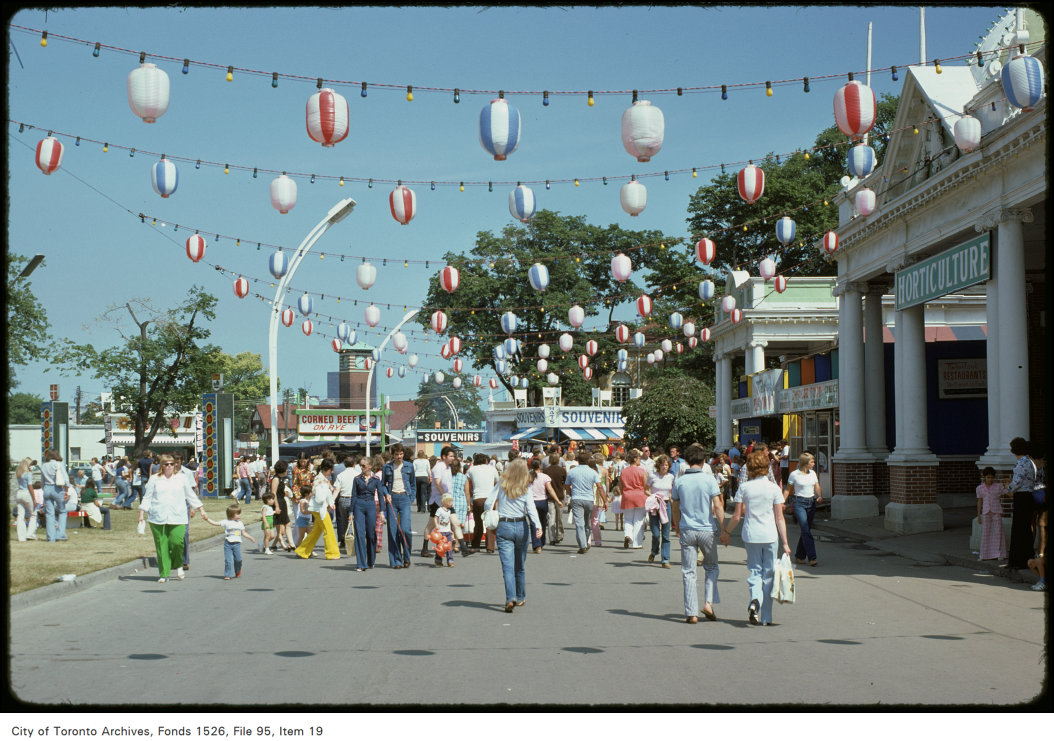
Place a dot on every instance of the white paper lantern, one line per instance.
(553, 379)
(650, 358)
(667, 346)
(366, 275)
(412, 360)
(643, 128)
(767, 268)
(439, 377)
(542, 365)
(456, 383)
(967, 133)
(689, 329)
(576, 315)
(621, 268)
(399, 342)
(543, 351)
(634, 197)
(148, 92)
(865, 201)
(728, 303)
(660, 354)
(373, 315)
(566, 342)
(283, 193)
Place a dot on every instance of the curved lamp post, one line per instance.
(457, 422)
(369, 379)
(335, 215)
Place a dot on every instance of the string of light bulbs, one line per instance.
(457, 92)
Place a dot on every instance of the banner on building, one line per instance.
(944, 273)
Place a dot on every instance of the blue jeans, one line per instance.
(512, 550)
(583, 512)
(124, 497)
(654, 522)
(543, 517)
(232, 558)
(804, 512)
(761, 572)
(364, 514)
(55, 512)
(399, 522)
(245, 490)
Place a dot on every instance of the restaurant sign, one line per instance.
(944, 273)
(336, 421)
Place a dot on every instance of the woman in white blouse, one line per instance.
(804, 490)
(660, 484)
(759, 502)
(515, 510)
(166, 502)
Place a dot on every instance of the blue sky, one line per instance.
(98, 254)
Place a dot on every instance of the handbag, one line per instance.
(490, 517)
(783, 581)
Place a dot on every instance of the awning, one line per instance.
(531, 433)
(589, 434)
(125, 440)
(375, 439)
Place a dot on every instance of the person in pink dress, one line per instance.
(632, 480)
(990, 516)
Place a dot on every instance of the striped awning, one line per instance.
(593, 433)
(529, 434)
(947, 333)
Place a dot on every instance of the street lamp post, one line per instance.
(334, 216)
(369, 379)
(453, 410)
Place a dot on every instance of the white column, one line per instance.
(912, 432)
(724, 400)
(852, 445)
(998, 450)
(756, 356)
(874, 375)
(1013, 328)
(898, 373)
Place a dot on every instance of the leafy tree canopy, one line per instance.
(432, 408)
(161, 364)
(27, 321)
(672, 410)
(494, 279)
(23, 409)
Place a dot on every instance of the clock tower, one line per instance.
(352, 375)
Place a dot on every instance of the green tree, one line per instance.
(672, 410)
(160, 367)
(245, 377)
(27, 321)
(494, 280)
(23, 409)
(799, 186)
(431, 407)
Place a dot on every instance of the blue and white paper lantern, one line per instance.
(1022, 80)
(164, 177)
(785, 230)
(402, 371)
(500, 366)
(861, 161)
(538, 276)
(622, 365)
(622, 354)
(676, 320)
(521, 203)
(279, 265)
(524, 383)
(511, 346)
(639, 339)
(499, 128)
(706, 290)
(509, 322)
(305, 304)
(342, 331)
(499, 352)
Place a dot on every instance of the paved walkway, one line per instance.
(604, 628)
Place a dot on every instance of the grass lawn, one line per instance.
(36, 563)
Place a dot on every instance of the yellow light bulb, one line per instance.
(576, 182)
(744, 227)
(806, 155)
(230, 74)
(342, 182)
(226, 169)
(590, 99)
(44, 39)
(409, 93)
(694, 173)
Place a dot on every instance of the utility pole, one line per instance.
(77, 406)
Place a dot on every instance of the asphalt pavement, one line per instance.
(882, 620)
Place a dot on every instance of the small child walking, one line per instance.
(267, 523)
(302, 519)
(234, 529)
(990, 516)
(446, 525)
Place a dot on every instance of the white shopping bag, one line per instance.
(783, 581)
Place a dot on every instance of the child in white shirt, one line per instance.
(234, 529)
(446, 525)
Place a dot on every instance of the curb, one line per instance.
(914, 554)
(33, 597)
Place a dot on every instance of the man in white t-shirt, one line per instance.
(342, 487)
(646, 461)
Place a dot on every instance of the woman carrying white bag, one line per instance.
(759, 503)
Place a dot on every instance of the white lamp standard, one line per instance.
(335, 215)
(457, 422)
(369, 379)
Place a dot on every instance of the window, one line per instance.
(75, 454)
(620, 383)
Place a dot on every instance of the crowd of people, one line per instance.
(534, 495)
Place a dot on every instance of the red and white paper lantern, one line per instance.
(403, 203)
(449, 278)
(705, 251)
(455, 345)
(337, 345)
(288, 315)
(477, 381)
(241, 287)
(444, 351)
(583, 361)
(737, 316)
(780, 283)
(830, 243)
(622, 333)
(704, 334)
(327, 117)
(49, 154)
(644, 305)
(493, 383)
(751, 183)
(854, 109)
(196, 247)
(439, 322)
(592, 348)
(307, 327)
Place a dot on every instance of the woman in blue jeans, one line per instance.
(803, 490)
(55, 481)
(515, 512)
(759, 503)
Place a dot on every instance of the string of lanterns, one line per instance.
(456, 92)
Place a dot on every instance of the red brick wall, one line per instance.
(958, 477)
(853, 478)
(913, 484)
(1035, 303)
(881, 479)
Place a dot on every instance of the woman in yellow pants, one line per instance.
(320, 506)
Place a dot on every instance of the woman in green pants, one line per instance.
(167, 500)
